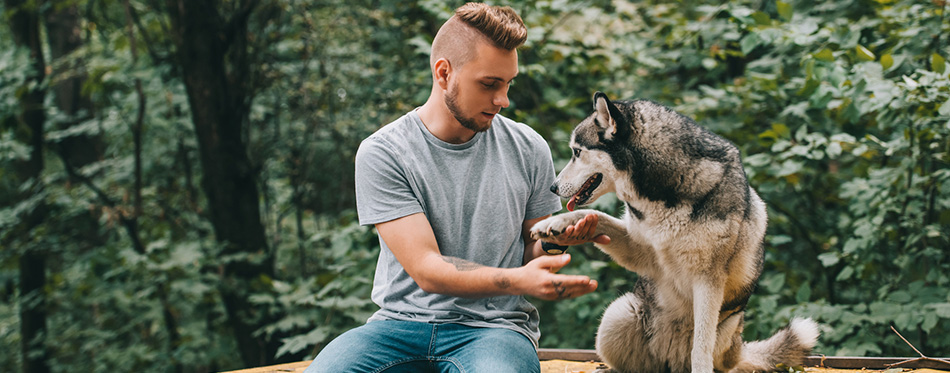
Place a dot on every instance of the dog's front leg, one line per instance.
(629, 249)
(707, 300)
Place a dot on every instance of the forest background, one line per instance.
(176, 177)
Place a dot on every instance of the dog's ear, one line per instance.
(606, 116)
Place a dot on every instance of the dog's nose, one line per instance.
(554, 188)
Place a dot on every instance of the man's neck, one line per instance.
(441, 123)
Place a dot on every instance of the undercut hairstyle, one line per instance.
(473, 23)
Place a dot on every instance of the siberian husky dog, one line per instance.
(692, 231)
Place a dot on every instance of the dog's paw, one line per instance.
(555, 225)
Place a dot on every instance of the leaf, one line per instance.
(941, 309)
(750, 42)
(785, 10)
(911, 83)
(828, 259)
(944, 109)
(899, 297)
(938, 63)
(299, 342)
(845, 274)
(773, 284)
(780, 239)
(930, 321)
(833, 150)
(804, 293)
(824, 55)
(864, 53)
(887, 61)
(761, 18)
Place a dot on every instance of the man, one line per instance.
(453, 189)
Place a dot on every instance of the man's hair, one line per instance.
(477, 22)
(501, 25)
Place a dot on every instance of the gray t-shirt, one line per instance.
(476, 197)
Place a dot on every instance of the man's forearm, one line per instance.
(467, 279)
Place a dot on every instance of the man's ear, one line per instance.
(441, 71)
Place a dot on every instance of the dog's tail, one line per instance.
(788, 346)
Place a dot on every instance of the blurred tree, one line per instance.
(214, 57)
(27, 127)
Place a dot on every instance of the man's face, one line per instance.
(480, 88)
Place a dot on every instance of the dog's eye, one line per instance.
(577, 152)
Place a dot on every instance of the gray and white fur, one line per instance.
(692, 231)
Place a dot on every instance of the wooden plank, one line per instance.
(567, 366)
(567, 354)
(297, 367)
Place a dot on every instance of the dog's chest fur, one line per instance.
(681, 246)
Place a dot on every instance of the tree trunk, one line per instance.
(64, 36)
(25, 25)
(212, 54)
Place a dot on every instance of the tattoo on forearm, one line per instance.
(461, 264)
(502, 281)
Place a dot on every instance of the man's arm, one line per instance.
(413, 242)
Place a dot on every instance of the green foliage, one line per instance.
(318, 307)
(839, 107)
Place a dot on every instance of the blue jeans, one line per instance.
(408, 346)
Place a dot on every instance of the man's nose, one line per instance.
(501, 99)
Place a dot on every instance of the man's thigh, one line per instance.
(376, 347)
(486, 350)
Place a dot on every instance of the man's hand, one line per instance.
(572, 228)
(582, 231)
(538, 279)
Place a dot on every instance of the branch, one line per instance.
(139, 119)
(921, 358)
(238, 22)
(129, 224)
(145, 36)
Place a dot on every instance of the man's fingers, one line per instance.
(553, 263)
(581, 231)
(564, 287)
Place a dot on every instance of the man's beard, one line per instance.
(451, 101)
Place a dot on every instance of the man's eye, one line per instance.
(489, 85)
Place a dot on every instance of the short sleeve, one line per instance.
(383, 188)
(542, 201)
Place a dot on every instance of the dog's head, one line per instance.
(592, 169)
(661, 155)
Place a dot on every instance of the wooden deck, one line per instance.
(585, 361)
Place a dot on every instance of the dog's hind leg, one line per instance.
(622, 337)
(729, 342)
